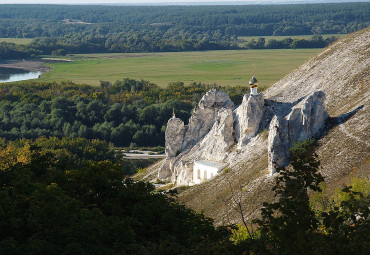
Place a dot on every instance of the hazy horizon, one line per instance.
(171, 2)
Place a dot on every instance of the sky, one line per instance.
(160, 1)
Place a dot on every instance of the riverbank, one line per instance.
(29, 65)
(34, 65)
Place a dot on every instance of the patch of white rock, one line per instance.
(216, 127)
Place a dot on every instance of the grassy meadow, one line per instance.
(17, 40)
(227, 68)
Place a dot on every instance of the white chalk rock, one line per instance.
(248, 118)
(174, 137)
(303, 122)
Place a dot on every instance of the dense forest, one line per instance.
(85, 29)
(127, 112)
(29, 21)
(57, 48)
(68, 196)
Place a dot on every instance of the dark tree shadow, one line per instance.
(333, 122)
(273, 107)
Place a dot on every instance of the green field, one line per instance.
(279, 38)
(227, 68)
(17, 40)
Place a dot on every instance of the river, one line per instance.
(15, 74)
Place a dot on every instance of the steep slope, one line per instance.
(342, 72)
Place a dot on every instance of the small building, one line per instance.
(253, 83)
(204, 170)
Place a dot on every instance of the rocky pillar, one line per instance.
(303, 122)
(248, 117)
(174, 138)
(277, 146)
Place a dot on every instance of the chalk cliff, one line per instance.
(303, 122)
(208, 136)
(204, 116)
(214, 128)
(247, 118)
(214, 147)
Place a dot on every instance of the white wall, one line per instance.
(203, 172)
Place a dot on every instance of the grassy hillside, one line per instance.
(227, 68)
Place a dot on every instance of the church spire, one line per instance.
(253, 84)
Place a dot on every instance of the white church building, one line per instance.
(204, 170)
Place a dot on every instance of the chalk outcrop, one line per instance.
(303, 122)
(247, 118)
(208, 136)
(215, 127)
(219, 139)
(213, 147)
(204, 116)
(278, 144)
(174, 138)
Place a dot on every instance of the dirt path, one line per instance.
(142, 156)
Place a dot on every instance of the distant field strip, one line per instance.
(227, 68)
(17, 40)
(281, 37)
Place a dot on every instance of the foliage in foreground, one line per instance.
(50, 205)
(291, 225)
(46, 208)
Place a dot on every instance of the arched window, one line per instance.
(198, 174)
(205, 175)
(211, 175)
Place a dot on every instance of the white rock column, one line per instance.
(248, 117)
(303, 122)
(174, 138)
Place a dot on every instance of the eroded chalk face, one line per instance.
(209, 133)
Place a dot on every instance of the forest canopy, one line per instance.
(55, 204)
(127, 112)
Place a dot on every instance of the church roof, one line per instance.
(210, 163)
(253, 80)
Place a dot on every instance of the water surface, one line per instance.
(15, 74)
